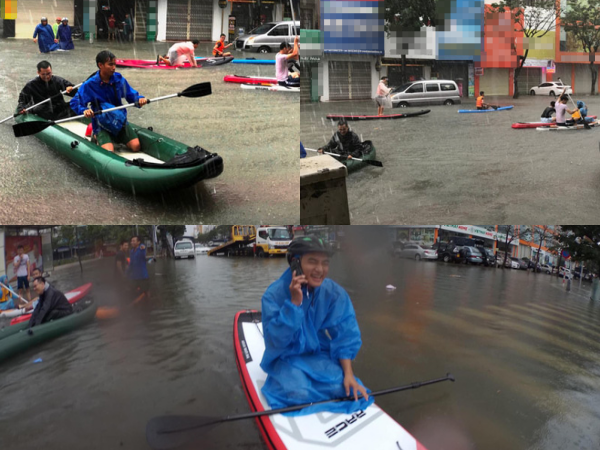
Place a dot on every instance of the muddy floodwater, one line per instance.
(255, 132)
(525, 354)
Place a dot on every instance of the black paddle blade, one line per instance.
(373, 163)
(28, 128)
(197, 90)
(168, 432)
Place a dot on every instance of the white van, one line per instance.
(268, 37)
(184, 249)
(428, 92)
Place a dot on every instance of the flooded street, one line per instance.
(255, 132)
(523, 350)
(450, 167)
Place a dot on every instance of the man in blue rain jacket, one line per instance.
(105, 90)
(44, 36)
(311, 335)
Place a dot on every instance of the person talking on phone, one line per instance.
(311, 335)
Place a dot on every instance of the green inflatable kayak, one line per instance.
(15, 339)
(368, 154)
(163, 164)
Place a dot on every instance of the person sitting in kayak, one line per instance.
(481, 102)
(311, 335)
(104, 90)
(44, 86)
(52, 304)
(281, 64)
(220, 47)
(44, 36)
(547, 114)
(344, 142)
(179, 53)
(579, 116)
(8, 298)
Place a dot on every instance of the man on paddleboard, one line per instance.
(104, 90)
(281, 64)
(547, 114)
(179, 53)
(52, 303)
(561, 110)
(345, 142)
(220, 47)
(311, 335)
(44, 86)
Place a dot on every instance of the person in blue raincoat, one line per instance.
(302, 151)
(44, 36)
(311, 336)
(105, 90)
(65, 40)
(8, 298)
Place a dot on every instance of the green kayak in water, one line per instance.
(16, 339)
(163, 164)
(368, 154)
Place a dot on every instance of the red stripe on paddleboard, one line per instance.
(265, 425)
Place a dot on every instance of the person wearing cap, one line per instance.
(286, 53)
(344, 142)
(44, 86)
(65, 39)
(55, 26)
(44, 36)
(311, 335)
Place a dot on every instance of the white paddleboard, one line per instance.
(368, 429)
(274, 87)
(573, 127)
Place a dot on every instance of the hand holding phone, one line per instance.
(298, 279)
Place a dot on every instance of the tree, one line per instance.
(221, 230)
(511, 232)
(543, 234)
(175, 230)
(533, 22)
(581, 241)
(408, 16)
(582, 20)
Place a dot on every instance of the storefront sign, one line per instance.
(8, 9)
(311, 45)
(474, 231)
(478, 71)
(353, 26)
(471, 81)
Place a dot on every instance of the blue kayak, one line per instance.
(254, 61)
(502, 108)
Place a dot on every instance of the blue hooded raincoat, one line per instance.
(102, 96)
(303, 346)
(7, 298)
(45, 37)
(302, 151)
(65, 39)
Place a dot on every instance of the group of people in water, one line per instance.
(560, 109)
(55, 37)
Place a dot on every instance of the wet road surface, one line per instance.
(452, 167)
(254, 131)
(523, 350)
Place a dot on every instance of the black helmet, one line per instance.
(307, 244)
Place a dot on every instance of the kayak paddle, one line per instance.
(172, 431)
(366, 161)
(40, 103)
(29, 128)
(13, 292)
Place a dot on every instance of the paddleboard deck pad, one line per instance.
(367, 117)
(502, 108)
(274, 87)
(149, 64)
(248, 80)
(368, 429)
(519, 125)
(569, 128)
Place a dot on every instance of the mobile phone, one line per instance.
(295, 266)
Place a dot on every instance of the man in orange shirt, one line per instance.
(480, 102)
(220, 47)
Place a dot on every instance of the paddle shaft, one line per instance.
(448, 377)
(40, 103)
(10, 289)
(333, 154)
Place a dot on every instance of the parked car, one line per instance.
(472, 255)
(515, 263)
(184, 249)
(523, 264)
(448, 252)
(417, 251)
(487, 255)
(268, 37)
(577, 273)
(548, 269)
(396, 248)
(442, 92)
(550, 88)
(564, 272)
(201, 250)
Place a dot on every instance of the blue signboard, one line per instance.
(353, 26)
(460, 34)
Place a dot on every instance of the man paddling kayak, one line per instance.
(561, 110)
(104, 90)
(220, 47)
(52, 303)
(44, 86)
(311, 335)
(345, 142)
(44, 36)
(179, 53)
(281, 64)
(481, 102)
